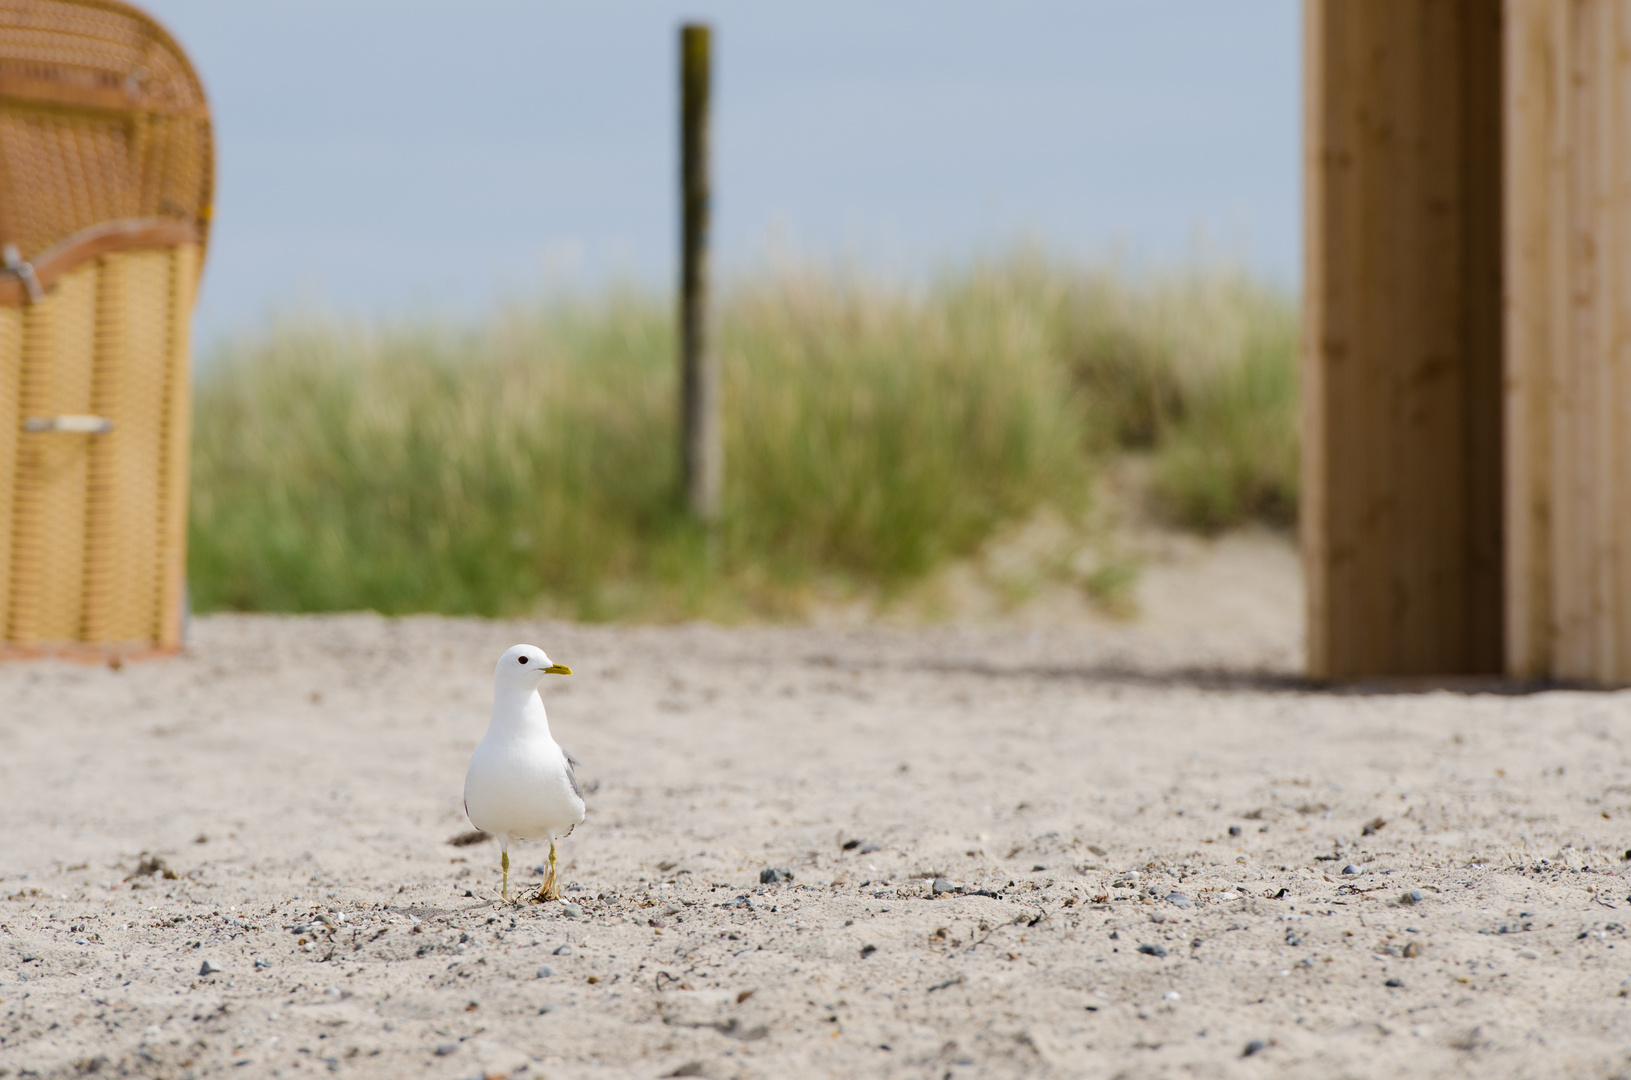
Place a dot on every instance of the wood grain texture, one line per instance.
(1568, 399)
(1402, 516)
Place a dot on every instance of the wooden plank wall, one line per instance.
(1402, 481)
(1568, 402)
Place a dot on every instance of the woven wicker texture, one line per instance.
(105, 180)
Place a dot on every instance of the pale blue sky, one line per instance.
(377, 157)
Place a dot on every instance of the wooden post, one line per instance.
(702, 435)
(1568, 403)
(1402, 480)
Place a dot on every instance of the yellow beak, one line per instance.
(557, 669)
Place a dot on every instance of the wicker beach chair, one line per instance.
(106, 169)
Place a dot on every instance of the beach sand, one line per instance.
(1159, 853)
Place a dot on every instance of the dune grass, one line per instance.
(873, 433)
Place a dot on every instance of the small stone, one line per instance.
(563, 950)
(1038, 868)
(738, 902)
(262, 962)
(1396, 984)
(1412, 950)
(572, 911)
(1152, 950)
(867, 849)
(1171, 995)
(1412, 897)
(447, 1049)
(209, 967)
(775, 875)
(332, 991)
(1178, 899)
(1350, 869)
(1256, 1046)
(1529, 954)
(1234, 830)
(942, 886)
(545, 972)
(868, 950)
(851, 845)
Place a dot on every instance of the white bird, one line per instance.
(521, 785)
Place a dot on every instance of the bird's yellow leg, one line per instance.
(551, 889)
(504, 861)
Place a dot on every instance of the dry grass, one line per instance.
(874, 432)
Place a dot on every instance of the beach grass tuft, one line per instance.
(874, 432)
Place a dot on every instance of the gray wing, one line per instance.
(571, 764)
(572, 777)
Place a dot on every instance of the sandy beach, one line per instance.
(1072, 850)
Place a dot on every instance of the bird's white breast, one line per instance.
(518, 787)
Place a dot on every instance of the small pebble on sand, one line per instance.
(775, 875)
(1152, 950)
(1178, 899)
(1350, 869)
(563, 950)
(545, 972)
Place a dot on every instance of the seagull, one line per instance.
(521, 785)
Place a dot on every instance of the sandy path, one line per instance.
(296, 767)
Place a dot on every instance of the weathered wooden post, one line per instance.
(1402, 436)
(1568, 272)
(702, 434)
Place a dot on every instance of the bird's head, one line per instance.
(522, 666)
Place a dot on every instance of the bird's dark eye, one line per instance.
(521, 659)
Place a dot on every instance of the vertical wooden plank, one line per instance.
(1483, 332)
(1569, 318)
(1575, 475)
(47, 588)
(176, 413)
(108, 384)
(1314, 513)
(11, 422)
(1402, 344)
(1533, 153)
(1614, 142)
(125, 510)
